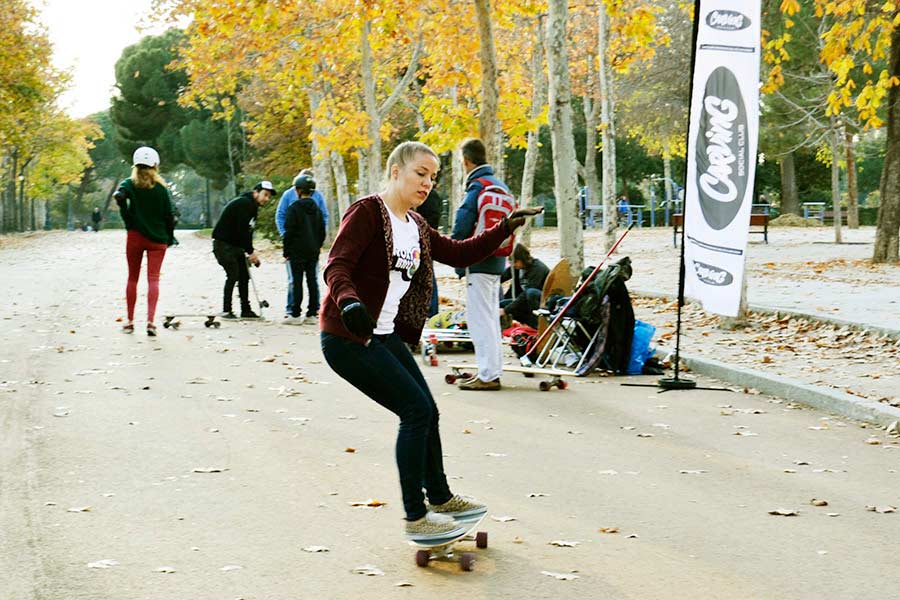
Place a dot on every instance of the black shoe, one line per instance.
(228, 315)
(249, 314)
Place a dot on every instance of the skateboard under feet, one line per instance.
(555, 378)
(442, 549)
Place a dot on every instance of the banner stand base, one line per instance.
(676, 383)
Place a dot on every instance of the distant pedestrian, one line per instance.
(304, 234)
(149, 216)
(290, 196)
(233, 246)
(96, 217)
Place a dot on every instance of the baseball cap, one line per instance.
(265, 185)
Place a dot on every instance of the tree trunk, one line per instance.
(667, 179)
(457, 187)
(852, 191)
(362, 177)
(790, 202)
(887, 235)
(608, 135)
(9, 223)
(341, 187)
(373, 152)
(488, 123)
(562, 138)
(539, 86)
(836, 182)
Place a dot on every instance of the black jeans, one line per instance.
(386, 372)
(298, 269)
(521, 309)
(234, 262)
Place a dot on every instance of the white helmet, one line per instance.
(145, 155)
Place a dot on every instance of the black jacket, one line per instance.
(431, 209)
(234, 226)
(531, 277)
(304, 230)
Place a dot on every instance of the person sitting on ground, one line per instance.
(304, 234)
(524, 295)
(232, 238)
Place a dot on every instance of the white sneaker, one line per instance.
(294, 320)
(433, 526)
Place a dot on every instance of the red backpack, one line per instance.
(495, 203)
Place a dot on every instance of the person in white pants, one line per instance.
(482, 279)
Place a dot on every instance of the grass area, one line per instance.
(204, 233)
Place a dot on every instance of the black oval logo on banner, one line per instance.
(727, 20)
(712, 275)
(721, 154)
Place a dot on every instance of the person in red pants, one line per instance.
(149, 216)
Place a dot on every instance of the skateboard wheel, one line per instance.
(176, 325)
(450, 378)
(165, 324)
(467, 561)
(422, 557)
(481, 539)
(466, 375)
(434, 360)
(216, 324)
(545, 386)
(562, 385)
(208, 324)
(264, 304)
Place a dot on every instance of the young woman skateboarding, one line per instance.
(149, 217)
(379, 286)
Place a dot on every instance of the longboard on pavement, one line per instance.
(432, 338)
(442, 548)
(554, 376)
(173, 321)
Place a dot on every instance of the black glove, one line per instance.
(356, 318)
(517, 217)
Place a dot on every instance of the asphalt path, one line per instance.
(208, 463)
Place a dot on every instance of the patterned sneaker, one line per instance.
(459, 507)
(433, 527)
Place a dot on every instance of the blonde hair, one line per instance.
(404, 153)
(145, 177)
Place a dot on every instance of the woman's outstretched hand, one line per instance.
(517, 218)
(357, 319)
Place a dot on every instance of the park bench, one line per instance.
(759, 218)
(828, 217)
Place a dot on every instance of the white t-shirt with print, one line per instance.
(404, 264)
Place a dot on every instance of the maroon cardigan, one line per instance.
(359, 265)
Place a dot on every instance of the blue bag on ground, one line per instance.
(640, 346)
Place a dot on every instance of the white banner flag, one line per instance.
(721, 159)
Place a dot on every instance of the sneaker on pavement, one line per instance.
(433, 526)
(249, 314)
(294, 320)
(459, 507)
(476, 384)
(227, 314)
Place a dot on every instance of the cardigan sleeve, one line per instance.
(357, 229)
(463, 253)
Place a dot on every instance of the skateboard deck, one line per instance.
(559, 282)
(555, 377)
(442, 548)
(173, 321)
(432, 339)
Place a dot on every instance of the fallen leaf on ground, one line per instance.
(537, 494)
(103, 564)
(560, 576)
(645, 435)
(563, 544)
(316, 549)
(350, 450)
(607, 472)
(404, 584)
(80, 509)
(227, 568)
(692, 471)
(816, 502)
(494, 454)
(503, 519)
(609, 530)
(783, 512)
(368, 503)
(167, 570)
(368, 570)
(881, 509)
(873, 441)
(209, 470)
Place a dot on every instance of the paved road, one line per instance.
(93, 418)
